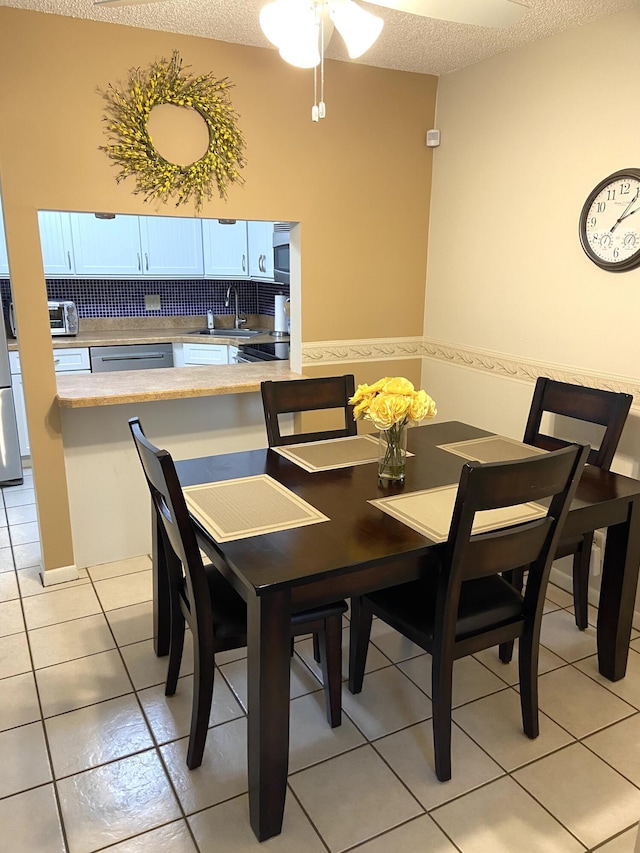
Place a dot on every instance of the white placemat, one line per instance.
(332, 453)
(429, 512)
(248, 506)
(494, 448)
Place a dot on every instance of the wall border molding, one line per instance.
(494, 363)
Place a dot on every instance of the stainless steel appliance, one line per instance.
(130, 357)
(281, 261)
(63, 318)
(262, 352)
(10, 461)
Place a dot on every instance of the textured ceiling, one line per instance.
(407, 42)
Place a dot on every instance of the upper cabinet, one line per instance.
(260, 242)
(171, 246)
(106, 247)
(225, 248)
(56, 242)
(4, 260)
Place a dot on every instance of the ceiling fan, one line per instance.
(486, 13)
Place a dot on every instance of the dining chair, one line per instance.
(607, 409)
(463, 604)
(295, 396)
(217, 616)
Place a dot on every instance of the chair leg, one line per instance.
(441, 690)
(581, 561)
(516, 578)
(316, 648)
(528, 648)
(176, 645)
(359, 631)
(203, 673)
(330, 649)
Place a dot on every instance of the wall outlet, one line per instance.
(152, 302)
(597, 553)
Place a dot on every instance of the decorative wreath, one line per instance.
(132, 148)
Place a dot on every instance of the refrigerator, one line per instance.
(10, 461)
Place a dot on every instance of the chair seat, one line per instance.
(335, 608)
(568, 545)
(484, 603)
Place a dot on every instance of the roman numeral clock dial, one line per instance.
(610, 222)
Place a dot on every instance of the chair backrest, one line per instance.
(551, 477)
(308, 395)
(176, 526)
(606, 408)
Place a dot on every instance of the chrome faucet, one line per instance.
(238, 320)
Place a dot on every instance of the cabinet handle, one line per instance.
(69, 259)
(139, 264)
(244, 264)
(146, 261)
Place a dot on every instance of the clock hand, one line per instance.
(624, 213)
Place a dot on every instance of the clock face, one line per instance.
(610, 222)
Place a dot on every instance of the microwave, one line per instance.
(281, 265)
(63, 318)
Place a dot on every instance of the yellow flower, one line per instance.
(391, 400)
(388, 409)
(422, 406)
(398, 385)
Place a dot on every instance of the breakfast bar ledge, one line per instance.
(191, 411)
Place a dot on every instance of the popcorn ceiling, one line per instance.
(407, 42)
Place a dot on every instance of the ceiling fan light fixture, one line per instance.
(293, 27)
(359, 28)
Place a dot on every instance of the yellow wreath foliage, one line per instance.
(131, 147)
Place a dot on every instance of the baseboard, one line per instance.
(51, 577)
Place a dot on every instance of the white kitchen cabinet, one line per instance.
(186, 354)
(106, 247)
(74, 360)
(4, 260)
(260, 244)
(171, 247)
(225, 249)
(56, 243)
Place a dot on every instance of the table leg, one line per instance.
(269, 662)
(618, 593)
(161, 601)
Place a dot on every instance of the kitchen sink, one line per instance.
(229, 333)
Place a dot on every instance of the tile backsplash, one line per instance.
(98, 298)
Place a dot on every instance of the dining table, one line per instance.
(358, 549)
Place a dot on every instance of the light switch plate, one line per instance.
(152, 302)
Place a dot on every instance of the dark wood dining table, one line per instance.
(361, 549)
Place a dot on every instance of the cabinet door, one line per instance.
(106, 247)
(205, 353)
(4, 260)
(225, 249)
(56, 243)
(171, 246)
(260, 240)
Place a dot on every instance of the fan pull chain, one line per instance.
(318, 110)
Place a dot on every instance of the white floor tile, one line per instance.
(508, 672)
(226, 828)
(21, 534)
(124, 590)
(19, 495)
(6, 560)
(146, 669)
(560, 635)
(115, 801)
(471, 679)
(82, 682)
(96, 735)
(301, 683)
(342, 798)
(60, 605)
(70, 640)
(11, 621)
(311, 737)
(14, 655)
(21, 515)
(24, 759)
(120, 567)
(558, 596)
(30, 580)
(410, 754)
(623, 843)
(391, 643)
(503, 818)
(627, 688)
(619, 746)
(8, 586)
(30, 822)
(172, 838)
(132, 624)
(19, 701)
(304, 648)
(586, 795)
(27, 555)
(419, 835)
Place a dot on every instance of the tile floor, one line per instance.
(93, 754)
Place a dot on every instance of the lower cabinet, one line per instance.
(74, 360)
(186, 354)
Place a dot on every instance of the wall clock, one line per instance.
(609, 228)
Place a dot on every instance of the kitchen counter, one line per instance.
(171, 383)
(150, 336)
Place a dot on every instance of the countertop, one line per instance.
(151, 336)
(167, 383)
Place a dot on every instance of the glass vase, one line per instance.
(392, 453)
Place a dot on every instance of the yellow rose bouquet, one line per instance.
(391, 404)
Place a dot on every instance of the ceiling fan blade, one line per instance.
(484, 13)
(124, 2)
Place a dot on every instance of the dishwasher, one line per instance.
(130, 357)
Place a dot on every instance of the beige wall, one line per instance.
(359, 182)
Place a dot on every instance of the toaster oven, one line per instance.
(63, 318)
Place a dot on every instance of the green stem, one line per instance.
(393, 461)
